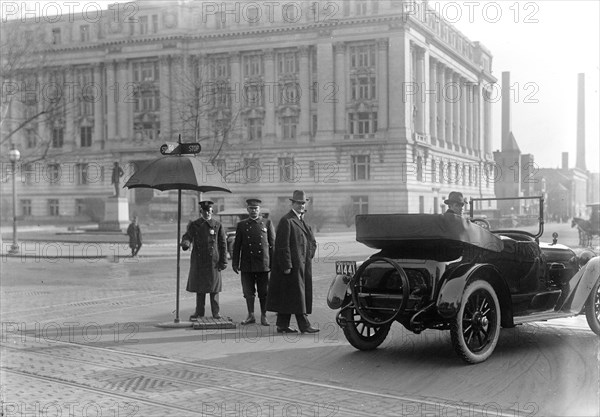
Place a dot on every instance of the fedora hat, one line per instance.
(299, 196)
(455, 197)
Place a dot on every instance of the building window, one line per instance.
(420, 170)
(145, 71)
(255, 129)
(421, 204)
(436, 205)
(30, 138)
(363, 88)
(289, 93)
(315, 125)
(252, 169)
(26, 207)
(81, 173)
(84, 33)
(362, 123)
(289, 126)
(53, 173)
(433, 171)
(360, 204)
(288, 63)
(146, 101)
(86, 136)
(286, 169)
(360, 167)
(220, 20)
(143, 25)
(361, 7)
(442, 172)
(253, 95)
(53, 207)
(362, 56)
(253, 65)
(221, 166)
(154, 23)
(219, 67)
(56, 39)
(79, 207)
(312, 169)
(57, 137)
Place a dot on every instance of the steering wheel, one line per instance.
(482, 223)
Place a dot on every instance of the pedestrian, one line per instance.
(135, 236)
(209, 257)
(290, 285)
(252, 254)
(115, 177)
(455, 203)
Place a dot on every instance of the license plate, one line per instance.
(345, 267)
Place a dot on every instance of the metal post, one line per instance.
(178, 251)
(14, 155)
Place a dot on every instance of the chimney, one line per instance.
(580, 161)
(565, 161)
(506, 116)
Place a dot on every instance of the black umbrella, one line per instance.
(178, 172)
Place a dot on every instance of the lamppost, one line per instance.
(14, 155)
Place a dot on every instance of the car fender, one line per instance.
(452, 289)
(338, 290)
(582, 282)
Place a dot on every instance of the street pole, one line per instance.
(14, 155)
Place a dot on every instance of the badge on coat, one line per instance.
(264, 229)
(212, 231)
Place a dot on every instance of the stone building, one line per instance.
(378, 104)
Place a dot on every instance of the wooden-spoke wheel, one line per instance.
(476, 328)
(592, 309)
(360, 334)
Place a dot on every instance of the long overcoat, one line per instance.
(253, 245)
(135, 235)
(295, 247)
(209, 255)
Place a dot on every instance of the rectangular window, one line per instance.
(31, 138)
(57, 137)
(251, 170)
(362, 123)
(85, 139)
(289, 93)
(81, 174)
(53, 207)
(286, 169)
(253, 95)
(315, 125)
(289, 126)
(145, 71)
(79, 206)
(312, 169)
(56, 39)
(363, 88)
(253, 65)
(84, 33)
(360, 167)
(154, 23)
(143, 25)
(360, 204)
(255, 129)
(421, 204)
(288, 62)
(362, 56)
(26, 207)
(361, 7)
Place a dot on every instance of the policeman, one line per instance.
(208, 259)
(252, 253)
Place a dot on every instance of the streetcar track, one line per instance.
(463, 406)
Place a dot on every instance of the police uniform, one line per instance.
(252, 253)
(208, 259)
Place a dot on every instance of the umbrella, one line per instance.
(178, 172)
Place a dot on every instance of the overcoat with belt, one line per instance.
(253, 245)
(295, 247)
(209, 255)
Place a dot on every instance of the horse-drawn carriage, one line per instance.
(588, 228)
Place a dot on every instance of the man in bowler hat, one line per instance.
(252, 254)
(290, 285)
(455, 203)
(209, 257)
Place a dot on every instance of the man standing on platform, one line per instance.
(208, 259)
(252, 254)
(290, 286)
(117, 173)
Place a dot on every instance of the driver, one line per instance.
(455, 203)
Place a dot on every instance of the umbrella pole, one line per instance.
(178, 252)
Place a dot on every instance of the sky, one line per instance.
(544, 44)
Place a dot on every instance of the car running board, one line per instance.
(546, 315)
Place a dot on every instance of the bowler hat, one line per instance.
(206, 204)
(253, 202)
(299, 196)
(455, 197)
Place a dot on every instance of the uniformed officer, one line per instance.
(208, 259)
(252, 253)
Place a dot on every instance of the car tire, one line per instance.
(592, 309)
(360, 334)
(476, 328)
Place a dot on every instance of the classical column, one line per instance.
(325, 85)
(112, 92)
(382, 84)
(304, 91)
(207, 87)
(124, 105)
(456, 112)
(270, 93)
(178, 82)
(340, 88)
(433, 100)
(98, 136)
(477, 122)
(166, 104)
(419, 90)
(448, 98)
(470, 109)
(487, 127)
(441, 104)
(463, 114)
(71, 108)
(399, 68)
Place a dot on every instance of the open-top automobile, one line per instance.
(447, 272)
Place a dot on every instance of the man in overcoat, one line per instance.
(455, 203)
(135, 236)
(290, 285)
(209, 257)
(252, 254)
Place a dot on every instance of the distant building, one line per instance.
(382, 107)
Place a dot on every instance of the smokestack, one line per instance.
(506, 116)
(565, 161)
(580, 161)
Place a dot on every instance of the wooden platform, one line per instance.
(205, 323)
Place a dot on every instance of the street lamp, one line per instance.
(14, 155)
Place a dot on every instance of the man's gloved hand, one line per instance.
(185, 244)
